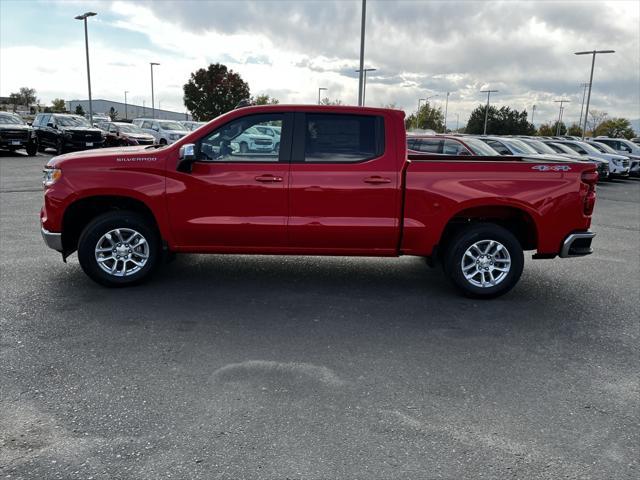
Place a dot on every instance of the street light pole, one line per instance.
(364, 83)
(584, 94)
(486, 111)
(593, 63)
(319, 90)
(125, 104)
(84, 17)
(533, 112)
(361, 76)
(561, 102)
(446, 109)
(153, 106)
(457, 121)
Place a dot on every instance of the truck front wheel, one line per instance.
(118, 249)
(484, 260)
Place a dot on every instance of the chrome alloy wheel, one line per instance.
(122, 252)
(486, 263)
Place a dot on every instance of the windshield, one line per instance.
(562, 148)
(71, 121)
(540, 147)
(588, 147)
(13, 119)
(603, 147)
(130, 129)
(172, 126)
(519, 146)
(479, 147)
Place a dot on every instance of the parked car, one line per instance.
(604, 148)
(191, 126)
(625, 147)
(125, 134)
(272, 131)
(345, 187)
(252, 141)
(509, 146)
(618, 164)
(636, 140)
(66, 132)
(98, 118)
(15, 134)
(546, 149)
(164, 131)
(448, 145)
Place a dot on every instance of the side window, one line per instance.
(146, 124)
(343, 138)
(578, 149)
(622, 147)
(36, 121)
(451, 147)
(498, 147)
(242, 141)
(45, 119)
(113, 129)
(155, 126)
(429, 145)
(411, 143)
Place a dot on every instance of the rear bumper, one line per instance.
(51, 239)
(577, 245)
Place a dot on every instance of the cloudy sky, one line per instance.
(288, 49)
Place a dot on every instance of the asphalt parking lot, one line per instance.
(316, 368)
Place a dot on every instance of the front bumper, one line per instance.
(577, 245)
(51, 239)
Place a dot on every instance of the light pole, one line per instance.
(153, 107)
(125, 104)
(446, 108)
(320, 90)
(533, 112)
(584, 93)
(84, 17)
(593, 62)
(364, 83)
(561, 102)
(361, 76)
(457, 121)
(418, 112)
(486, 111)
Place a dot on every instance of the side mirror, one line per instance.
(186, 157)
(51, 125)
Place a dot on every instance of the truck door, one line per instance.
(344, 185)
(231, 200)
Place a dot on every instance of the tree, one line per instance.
(615, 128)
(427, 118)
(58, 105)
(213, 91)
(546, 130)
(328, 101)
(25, 96)
(113, 114)
(500, 121)
(596, 117)
(575, 130)
(265, 100)
(79, 110)
(561, 131)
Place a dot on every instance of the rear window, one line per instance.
(427, 145)
(343, 138)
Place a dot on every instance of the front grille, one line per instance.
(14, 134)
(145, 142)
(87, 136)
(263, 142)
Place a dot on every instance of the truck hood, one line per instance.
(103, 153)
(14, 126)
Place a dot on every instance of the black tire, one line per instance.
(103, 224)
(163, 141)
(32, 149)
(463, 240)
(244, 148)
(277, 147)
(59, 146)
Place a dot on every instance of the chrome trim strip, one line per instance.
(568, 242)
(51, 239)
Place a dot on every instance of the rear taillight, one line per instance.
(590, 178)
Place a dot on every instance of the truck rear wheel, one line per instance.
(118, 249)
(484, 260)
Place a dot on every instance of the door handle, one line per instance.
(376, 179)
(268, 178)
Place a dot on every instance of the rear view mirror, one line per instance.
(186, 157)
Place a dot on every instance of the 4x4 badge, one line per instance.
(552, 168)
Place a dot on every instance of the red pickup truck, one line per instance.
(340, 182)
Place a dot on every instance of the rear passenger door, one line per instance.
(344, 184)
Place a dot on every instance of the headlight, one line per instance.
(174, 136)
(50, 176)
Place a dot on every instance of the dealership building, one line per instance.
(126, 111)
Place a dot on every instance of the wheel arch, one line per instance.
(79, 213)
